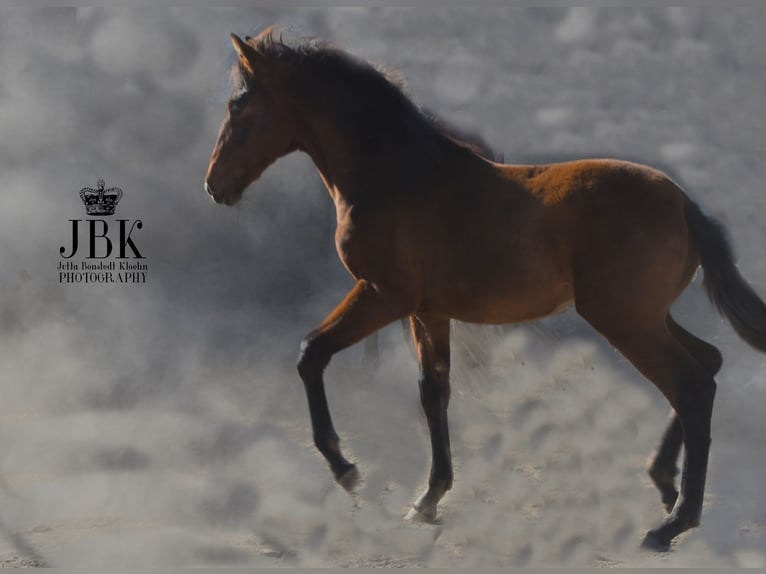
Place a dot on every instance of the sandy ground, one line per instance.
(165, 424)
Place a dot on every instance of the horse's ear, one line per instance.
(247, 54)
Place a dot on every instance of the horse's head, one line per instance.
(257, 130)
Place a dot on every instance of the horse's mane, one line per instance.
(384, 86)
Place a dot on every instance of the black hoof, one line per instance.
(653, 541)
(348, 478)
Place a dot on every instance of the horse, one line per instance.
(432, 231)
(468, 347)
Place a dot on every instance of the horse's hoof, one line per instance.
(349, 478)
(427, 515)
(653, 542)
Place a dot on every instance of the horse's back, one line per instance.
(591, 180)
(525, 247)
(627, 234)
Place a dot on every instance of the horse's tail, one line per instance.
(727, 289)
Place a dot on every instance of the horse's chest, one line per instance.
(375, 249)
(359, 248)
(348, 243)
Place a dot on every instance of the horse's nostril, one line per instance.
(209, 189)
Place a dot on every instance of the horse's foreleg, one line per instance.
(431, 337)
(361, 313)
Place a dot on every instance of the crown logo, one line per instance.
(100, 201)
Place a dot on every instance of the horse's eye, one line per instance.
(235, 108)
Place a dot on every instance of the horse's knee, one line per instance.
(312, 360)
(434, 391)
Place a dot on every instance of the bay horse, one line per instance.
(432, 231)
(371, 356)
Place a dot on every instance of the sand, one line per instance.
(165, 424)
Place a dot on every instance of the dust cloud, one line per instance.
(164, 424)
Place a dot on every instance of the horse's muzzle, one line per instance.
(225, 197)
(209, 189)
(218, 198)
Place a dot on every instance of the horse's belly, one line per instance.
(511, 311)
(511, 302)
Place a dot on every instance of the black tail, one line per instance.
(727, 289)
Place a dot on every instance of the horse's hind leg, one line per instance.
(705, 354)
(363, 311)
(687, 385)
(431, 337)
(662, 463)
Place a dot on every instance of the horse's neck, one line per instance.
(352, 170)
(330, 152)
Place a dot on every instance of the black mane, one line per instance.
(366, 88)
